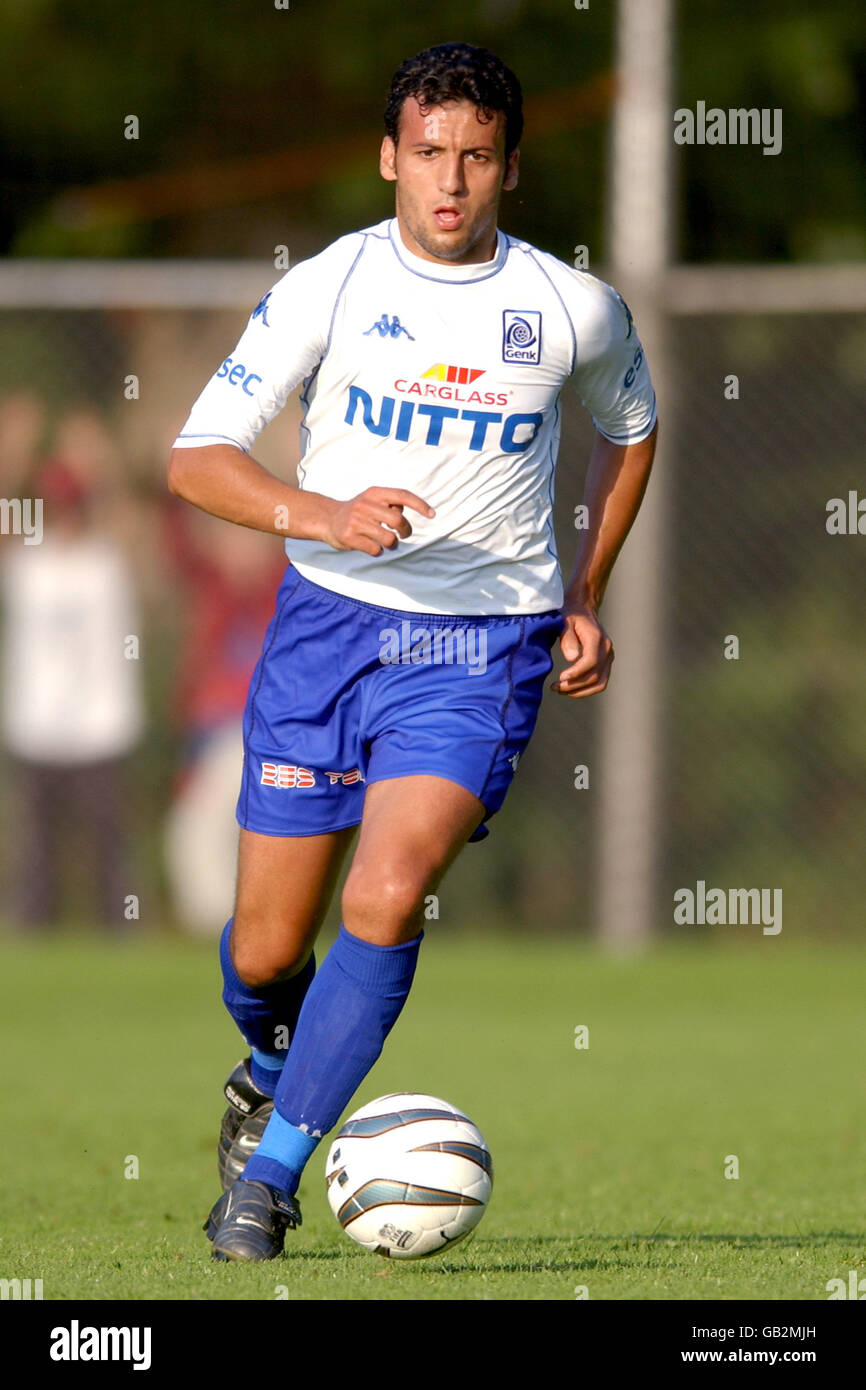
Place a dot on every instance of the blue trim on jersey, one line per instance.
(308, 381)
(211, 435)
(630, 437)
(551, 536)
(540, 267)
(347, 278)
(305, 430)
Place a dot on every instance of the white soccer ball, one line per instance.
(408, 1175)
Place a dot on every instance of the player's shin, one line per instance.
(266, 1015)
(349, 1011)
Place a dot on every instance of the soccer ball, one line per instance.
(408, 1175)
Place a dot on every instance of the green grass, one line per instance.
(609, 1161)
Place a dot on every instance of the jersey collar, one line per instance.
(448, 274)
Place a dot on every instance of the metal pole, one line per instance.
(631, 710)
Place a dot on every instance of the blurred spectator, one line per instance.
(71, 700)
(231, 576)
(22, 422)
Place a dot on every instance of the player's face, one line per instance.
(450, 169)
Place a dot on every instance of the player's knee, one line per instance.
(261, 962)
(385, 898)
(256, 968)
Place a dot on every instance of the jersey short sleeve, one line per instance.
(610, 367)
(285, 340)
(611, 372)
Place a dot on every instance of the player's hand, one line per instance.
(373, 521)
(589, 652)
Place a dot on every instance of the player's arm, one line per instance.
(614, 383)
(211, 466)
(224, 480)
(615, 485)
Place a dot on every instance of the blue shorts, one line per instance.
(347, 693)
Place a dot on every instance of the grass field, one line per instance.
(609, 1160)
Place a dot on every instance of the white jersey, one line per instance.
(444, 380)
(69, 694)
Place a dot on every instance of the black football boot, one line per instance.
(249, 1222)
(243, 1123)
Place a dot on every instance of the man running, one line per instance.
(401, 676)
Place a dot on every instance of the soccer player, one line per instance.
(401, 676)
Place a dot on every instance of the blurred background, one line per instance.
(159, 160)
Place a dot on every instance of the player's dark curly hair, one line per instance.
(458, 72)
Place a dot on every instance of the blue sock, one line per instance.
(350, 1009)
(267, 1015)
(265, 1068)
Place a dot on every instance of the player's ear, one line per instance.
(387, 158)
(510, 180)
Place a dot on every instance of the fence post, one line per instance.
(634, 610)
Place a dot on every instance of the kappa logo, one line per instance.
(521, 336)
(261, 310)
(388, 330)
(287, 775)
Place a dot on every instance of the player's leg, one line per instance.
(284, 888)
(412, 829)
(297, 819)
(285, 885)
(437, 745)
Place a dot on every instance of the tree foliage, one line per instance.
(216, 83)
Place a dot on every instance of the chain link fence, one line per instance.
(764, 662)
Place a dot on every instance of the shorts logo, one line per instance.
(347, 779)
(287, 775)
(521, 336)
